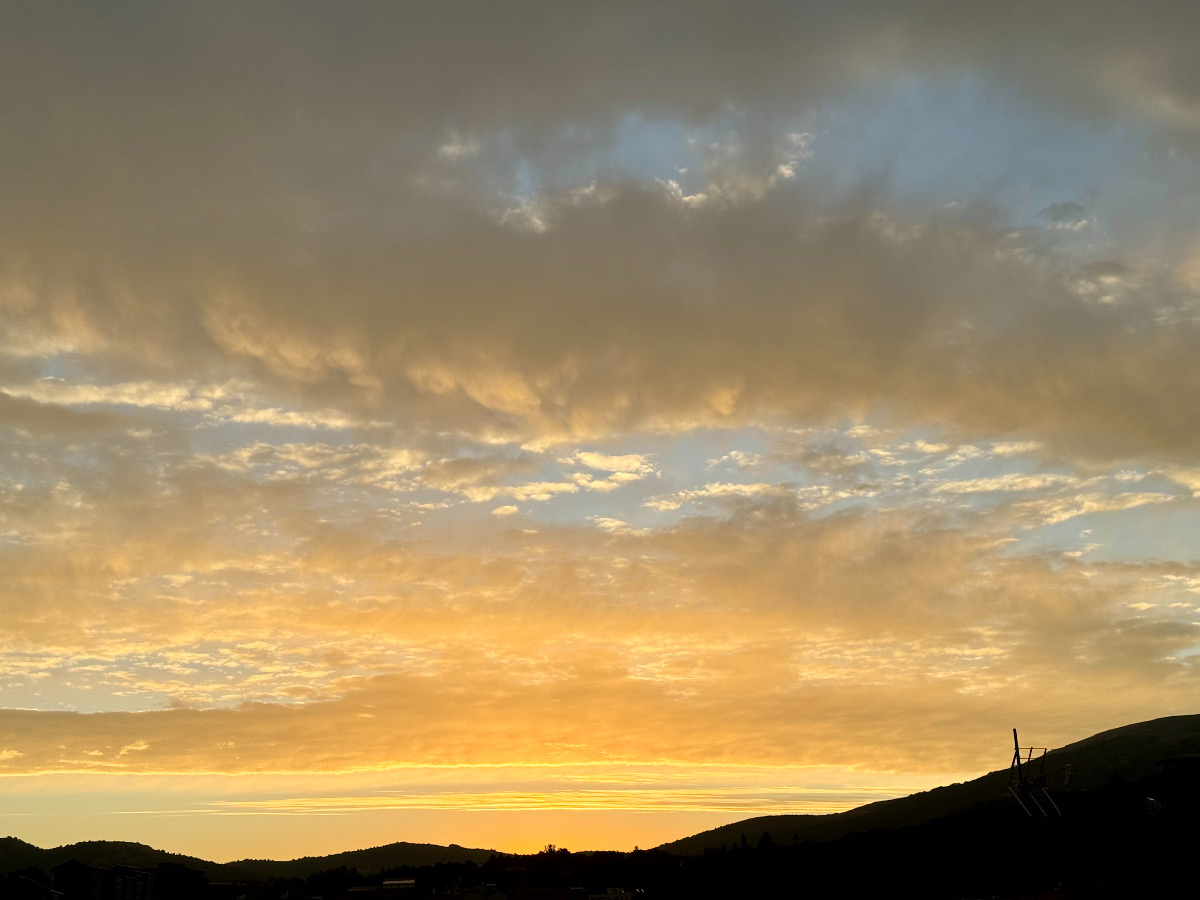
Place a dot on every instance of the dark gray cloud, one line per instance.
(219, 189)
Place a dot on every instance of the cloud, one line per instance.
(720, 491)
(30, 415)
(819, 336)
(150, 394)
(478, 478)
(790, 307)
(1061, 509)
(1188, 478)
(688, 639)
(741, 799)
(717, 490)
(617, 526)
(630, 463)
(1011, 482)
(737, 458)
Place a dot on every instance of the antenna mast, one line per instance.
(1027, 779)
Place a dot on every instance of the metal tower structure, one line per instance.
(1027, 779)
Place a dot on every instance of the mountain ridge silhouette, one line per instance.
(1130, 751)
(16, 854)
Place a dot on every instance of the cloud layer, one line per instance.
(477, 385)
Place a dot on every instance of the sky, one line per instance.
(523, 423)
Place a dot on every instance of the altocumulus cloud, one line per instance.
(520, 373)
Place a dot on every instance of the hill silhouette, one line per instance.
(16, 854)
(370, 860)
(1131, 752)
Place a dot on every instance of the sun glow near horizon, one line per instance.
(605, 807)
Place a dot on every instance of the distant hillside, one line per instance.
(17, 854)
(374, 859)
(1131, 752)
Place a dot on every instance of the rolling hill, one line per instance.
(373, 859)
(1130, 752)
(16, 854)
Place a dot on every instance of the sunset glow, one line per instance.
(517, 423)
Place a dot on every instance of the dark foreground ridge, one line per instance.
(17, 856)
(1132, 752)
(1130, 813)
